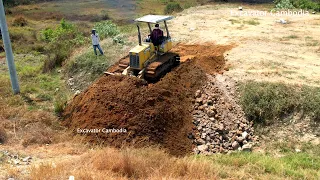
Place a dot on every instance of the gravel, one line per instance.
(219, 122)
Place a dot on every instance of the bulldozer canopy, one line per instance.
(153, 18)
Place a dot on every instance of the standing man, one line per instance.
(95, 42)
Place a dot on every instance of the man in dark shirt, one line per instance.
(157, 35)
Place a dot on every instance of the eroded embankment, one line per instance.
(152, 114)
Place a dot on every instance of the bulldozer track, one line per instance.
(154, 71)
(157, 69)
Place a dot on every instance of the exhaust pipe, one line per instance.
(139, 35)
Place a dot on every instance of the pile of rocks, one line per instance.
(220, 124)
(15, 159)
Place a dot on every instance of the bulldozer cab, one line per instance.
(165, 43)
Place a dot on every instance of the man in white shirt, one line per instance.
(95, 42)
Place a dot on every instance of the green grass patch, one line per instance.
(271, 64)
(35, 86)
(289, 72)
(172, 7)
(89, 63)
(292, 37)
(60, 103)
(291, 165)
(312, 43)
(308, 38)
(298, 4)
(263, 102)
(252, 22)
(89, 66)
(235, 21)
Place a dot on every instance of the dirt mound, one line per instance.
(208, 56)
(151, 114)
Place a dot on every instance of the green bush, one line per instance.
(106, 29)
(284, 4)
(118, 39)
(311, 101)
(65, 29)
(59, 105)
(299, 4)
(60, 41)
(172, 7)
(264, 102)
(306, 4)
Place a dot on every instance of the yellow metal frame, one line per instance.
(145, 51)
(166, 46)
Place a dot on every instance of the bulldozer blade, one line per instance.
(125, 72)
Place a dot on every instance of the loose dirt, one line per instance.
(152, 114)
(208, 56)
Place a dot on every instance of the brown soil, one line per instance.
(152, 114)
(208, 56)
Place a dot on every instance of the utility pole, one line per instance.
(8, 49)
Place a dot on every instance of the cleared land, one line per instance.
(265, 49)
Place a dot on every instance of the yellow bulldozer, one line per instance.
(149, 60)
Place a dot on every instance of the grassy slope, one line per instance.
(150, 163)
(264, 102)
(40, 91)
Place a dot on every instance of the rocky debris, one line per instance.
(77, 92)
(15, 159)
(298, 150)
(70, 81)
(72, 84)
(26, 159)
(282, 21)
(247, 147)
(296, 128)
(220, 124)
(203, 147)
(235, 145)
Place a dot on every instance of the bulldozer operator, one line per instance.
(156, 35)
